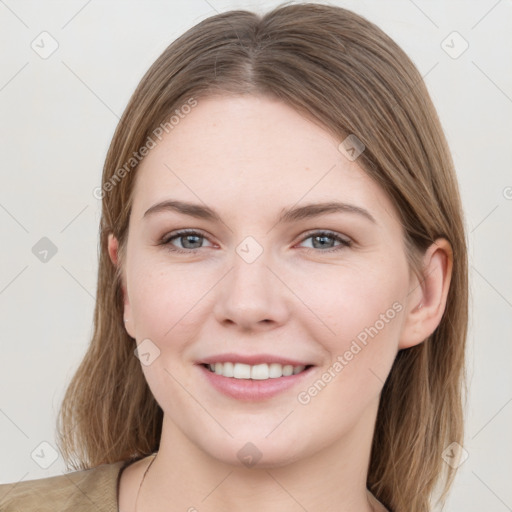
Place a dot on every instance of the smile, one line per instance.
(262, 371)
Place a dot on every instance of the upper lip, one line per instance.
(252, 359)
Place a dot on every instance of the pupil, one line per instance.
(188, 237)
(323, 238)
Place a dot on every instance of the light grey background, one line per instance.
(58, 116)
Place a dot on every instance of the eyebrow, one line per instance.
(287, 215)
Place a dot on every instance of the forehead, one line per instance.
(251, 152)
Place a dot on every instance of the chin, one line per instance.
(251, 451)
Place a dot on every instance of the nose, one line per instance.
(252, 296)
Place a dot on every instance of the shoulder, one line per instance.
(80, 491)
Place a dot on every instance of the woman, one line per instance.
(282, 293)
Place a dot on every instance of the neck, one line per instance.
(331, 479)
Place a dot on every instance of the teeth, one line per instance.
(287, 370)
(260, 372)
(275, 370)
(228, 370)
(255, 372)
(240, 371)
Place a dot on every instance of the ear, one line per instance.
(113, 251)
(427, 299)
(113, 248)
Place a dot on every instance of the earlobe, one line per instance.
(427, 298)
(113, 247)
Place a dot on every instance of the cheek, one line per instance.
(364, 316)
(361, 311)
(165, 302)
(356, 303)
(163, 299)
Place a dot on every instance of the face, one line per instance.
(229, 261)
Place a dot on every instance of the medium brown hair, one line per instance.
(343, 72)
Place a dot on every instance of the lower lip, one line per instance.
(249, 389)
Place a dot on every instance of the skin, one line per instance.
(248, 158)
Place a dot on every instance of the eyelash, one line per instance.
(166, 241)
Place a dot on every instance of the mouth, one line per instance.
(253, 378)
(262, 371)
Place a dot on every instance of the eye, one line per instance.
(190, 241)
(324, 240)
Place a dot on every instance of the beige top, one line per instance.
(91, 490)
